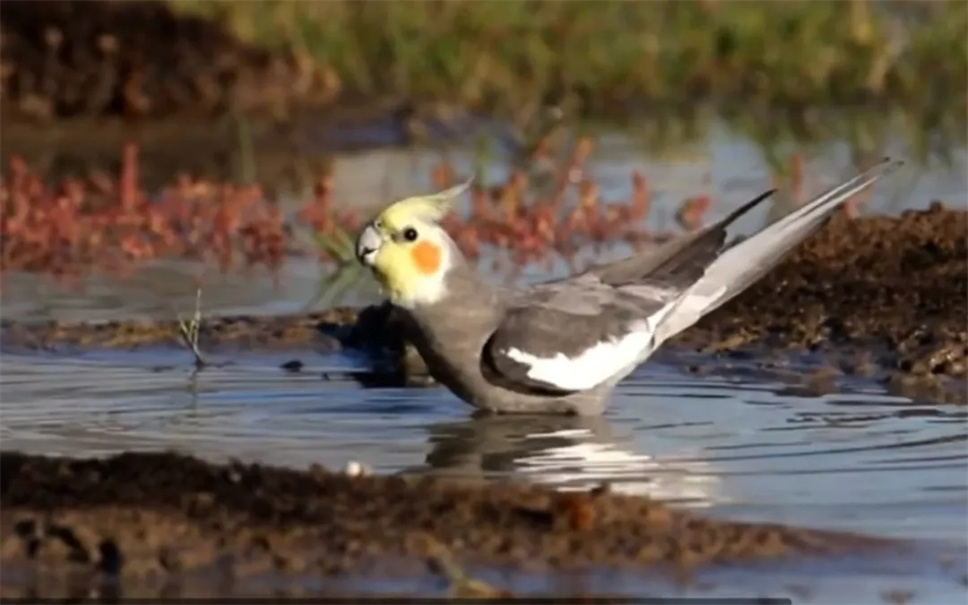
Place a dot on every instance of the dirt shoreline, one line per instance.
(66, 59)
(875, 295)
(138, 518)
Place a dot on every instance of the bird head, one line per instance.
(407, 249)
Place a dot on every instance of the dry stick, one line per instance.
(189, 331)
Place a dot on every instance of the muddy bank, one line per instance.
(884, 293)
(881, 293)
(63, 59)
(144, 518)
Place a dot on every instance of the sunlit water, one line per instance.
(857, 460)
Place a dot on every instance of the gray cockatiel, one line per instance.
(562, 346)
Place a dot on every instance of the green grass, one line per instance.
(613, 58)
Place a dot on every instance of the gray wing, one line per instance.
(573, 334)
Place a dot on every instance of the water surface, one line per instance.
(856, 460)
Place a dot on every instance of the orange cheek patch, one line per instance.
(426, 257)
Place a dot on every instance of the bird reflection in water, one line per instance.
(568, 452)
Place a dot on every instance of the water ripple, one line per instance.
(747, 449)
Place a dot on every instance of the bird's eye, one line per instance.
(410, 234)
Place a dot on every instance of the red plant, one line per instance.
(107, 224)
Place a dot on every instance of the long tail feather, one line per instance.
(744, 263)
(683, 259)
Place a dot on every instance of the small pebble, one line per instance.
(356, 469)
(292, 366)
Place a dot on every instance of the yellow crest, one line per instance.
(424, 208)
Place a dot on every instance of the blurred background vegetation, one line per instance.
(812, 70)
(615, 58)
(609, 58)
(280, 92)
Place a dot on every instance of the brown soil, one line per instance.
(139, 59)
(876, 295)
(884, 292)
(900, 279)
(243, 332)
(141, 517)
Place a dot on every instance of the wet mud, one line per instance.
(232, 332)
(139, 521)
(875, 296)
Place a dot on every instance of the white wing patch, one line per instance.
(594, 365)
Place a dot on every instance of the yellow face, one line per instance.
(407, 250)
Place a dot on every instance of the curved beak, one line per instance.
(368, 244)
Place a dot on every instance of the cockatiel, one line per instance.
(560, 347)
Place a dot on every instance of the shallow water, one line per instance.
(858, 460)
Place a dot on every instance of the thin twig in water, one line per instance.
(462, 586)
(189, 331)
